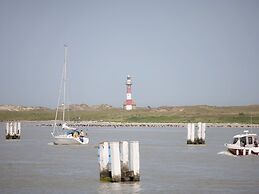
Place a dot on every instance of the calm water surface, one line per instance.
(167, 164)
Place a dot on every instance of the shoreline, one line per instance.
(101, 124)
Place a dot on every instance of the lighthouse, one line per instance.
(129, 104)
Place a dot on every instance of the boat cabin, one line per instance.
(246, 139)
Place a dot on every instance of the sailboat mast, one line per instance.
(64, 82)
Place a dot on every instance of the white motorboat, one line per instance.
(66, 135)
(244, 144)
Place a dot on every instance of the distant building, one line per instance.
(129, 104)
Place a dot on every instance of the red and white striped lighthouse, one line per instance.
(129, 104)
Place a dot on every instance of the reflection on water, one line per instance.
(105, 188)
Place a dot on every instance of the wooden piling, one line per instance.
(115, 162)
(199, 133)
(203, 130)
(13, 130)
(103, 158)
(19, 130)
(192, 132)
(196, 137)
(124, 158)
(7, 129)
(118, 161)
(134, 160)
(189, 126)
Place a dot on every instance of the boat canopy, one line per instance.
(245, 135)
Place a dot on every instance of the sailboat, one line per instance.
(66, 135)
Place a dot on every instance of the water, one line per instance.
(167, 164)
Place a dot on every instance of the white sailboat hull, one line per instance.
(69, 140)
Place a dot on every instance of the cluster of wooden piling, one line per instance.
(196, 136)
(13, 130)
(119, 161)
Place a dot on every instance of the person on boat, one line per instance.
(81, 135)
(75, 134)
(243, 142)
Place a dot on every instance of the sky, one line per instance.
(177, 52)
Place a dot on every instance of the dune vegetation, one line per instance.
(184, 114)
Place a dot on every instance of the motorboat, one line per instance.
(244, 144)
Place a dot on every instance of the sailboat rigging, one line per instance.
(68, 135)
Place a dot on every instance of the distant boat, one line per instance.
(66, 135)
(244, 144)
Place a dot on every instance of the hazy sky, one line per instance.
(178, 52)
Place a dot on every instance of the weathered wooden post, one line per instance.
(199, 134)
(189, 126)
(19, 130)
(103, 157)
(192, 132)
(203, 130)
(11, 132)
(14, 130)
(124, 158)
(134, 160)
(115, 162)
(7, 129)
